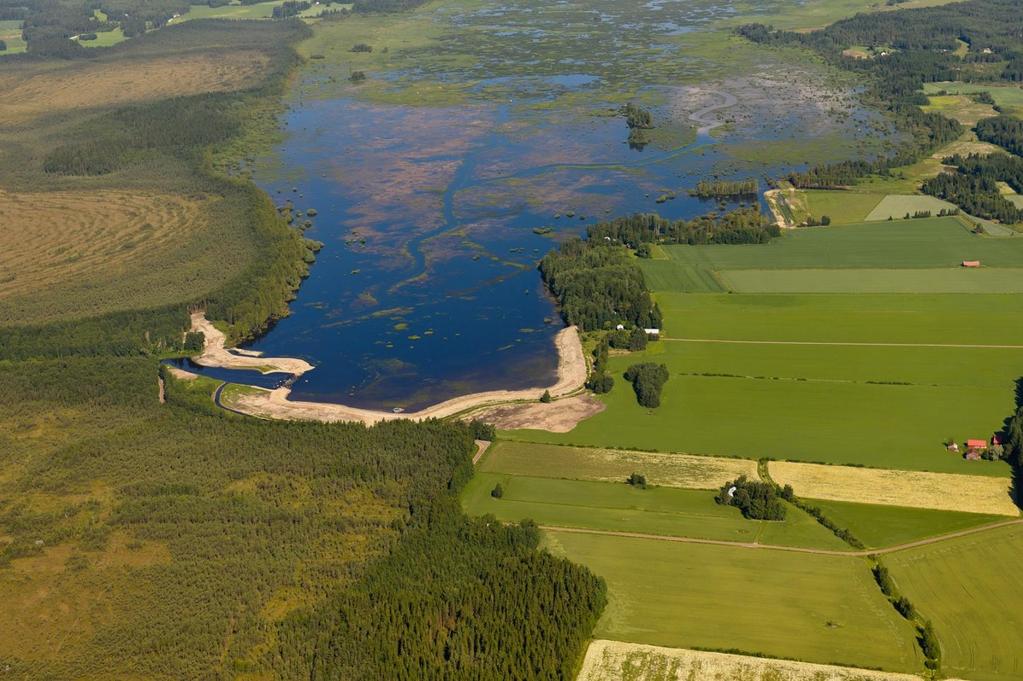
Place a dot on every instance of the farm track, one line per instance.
(792, 549)
(977, 346)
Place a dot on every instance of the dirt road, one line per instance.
(793, 549)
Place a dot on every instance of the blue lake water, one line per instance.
(427, 286)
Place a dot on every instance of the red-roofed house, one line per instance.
(976, 444)
(971, 263)
(996, 440)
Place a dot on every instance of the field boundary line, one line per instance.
(794, 549)
(847, 343)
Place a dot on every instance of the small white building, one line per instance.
(652, 333)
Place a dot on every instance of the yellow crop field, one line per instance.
(30, 92)
(615, 660)
(916, 489)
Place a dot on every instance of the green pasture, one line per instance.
(843, 207)
(1009, 97)
(896, 206)
(604, 465)
(937, 280)
(880, 526)
(923, 243)
(986, 319)
(780, 604)
(260, 10)
(618, 507)
(888, 407)
(971, 589)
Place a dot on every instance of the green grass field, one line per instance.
(843, 207)
(10, 33)
(937, 280)
(903, 244)
(106, 39)
(870, 318)
(618, 507)
(971, 590)
(809, 607)
(1009, 97)
(879, 526)
(612, 465)
(896, 206)
(887, 407)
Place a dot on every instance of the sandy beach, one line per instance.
(274, 404)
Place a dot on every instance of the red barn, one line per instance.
(971, 263)
(976, 444)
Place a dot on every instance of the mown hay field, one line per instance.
(895, 206)
(1009, 97)
(70, 253)
(817, 608)
(936, 280)
(613, 465)
(968, 493)
(30, 92)
(619, 661)
(618, 507)
(970, 589)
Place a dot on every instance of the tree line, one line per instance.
(738, 226)
(598, 286)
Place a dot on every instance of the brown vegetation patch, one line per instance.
(29, 93)
(915, 489)
(613, 660)
(557, 417)
(77, 238)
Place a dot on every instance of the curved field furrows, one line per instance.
(54, 237)
(31, 93)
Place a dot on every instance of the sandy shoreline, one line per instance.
(215, 353)
(274, 404)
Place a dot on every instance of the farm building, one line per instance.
(976, 444)
(971, 263)
(653, 333)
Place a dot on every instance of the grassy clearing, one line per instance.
(1009, 97)
(963, 587)
(816, 608)
(618, 661)
(960, 108)
(878, 406)
(871, 318)
(608, 465)
(618, 507)
(926, 242)
(896, 206)
(10, 33)
(967, 493)
(880, 526)
(843, 207)
(944, 280)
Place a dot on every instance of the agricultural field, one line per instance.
(864, 280)
(618, 507)
(64, 254)
(618, 661)
(30, 93)
(613, 465)
(816, 608)
(880, 526)
(962, 586)
(973, 493)
(843, 207)
(894, 207)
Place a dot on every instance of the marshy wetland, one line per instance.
(484, 132)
